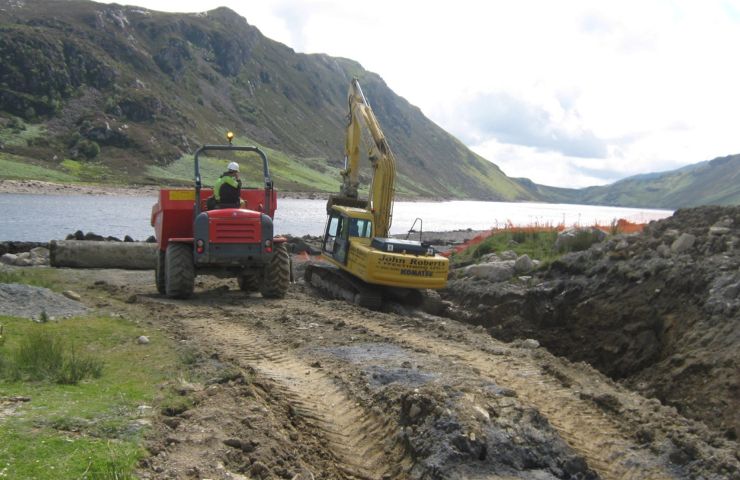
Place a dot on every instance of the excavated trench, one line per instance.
(657, 311)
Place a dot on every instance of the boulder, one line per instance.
(493, 272)
(577, 238)
(523, 264)
(9, 258)
(683, 243)
(508, 255)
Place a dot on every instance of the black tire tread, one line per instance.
(276, 279)
(179, 271)
(159, 273)
(248, 282)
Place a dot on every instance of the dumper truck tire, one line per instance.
(276, 279)
(159, 273)
(248, 282)
(179, 270)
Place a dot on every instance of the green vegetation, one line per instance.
(79, 411)
(36, 277)
(44, 356)
(538, 244)
(20, 168)
(87, 171)
(18, 133)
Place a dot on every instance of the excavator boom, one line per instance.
(382, 161)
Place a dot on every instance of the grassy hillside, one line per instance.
(133, 92)
(715, 182)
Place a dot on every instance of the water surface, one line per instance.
(40, 218)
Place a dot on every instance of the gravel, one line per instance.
(27, 301)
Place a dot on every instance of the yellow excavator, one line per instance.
(363, 264)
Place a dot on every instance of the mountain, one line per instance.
(712, 182)
(123, 94)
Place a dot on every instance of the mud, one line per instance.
(304, 388)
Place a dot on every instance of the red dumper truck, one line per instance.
(225, 242)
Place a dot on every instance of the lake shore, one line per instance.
(40, 187)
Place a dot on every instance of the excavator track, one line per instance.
(340, 285)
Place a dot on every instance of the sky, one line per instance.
(567, 93)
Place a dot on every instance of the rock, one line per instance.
(128, 239)
(9, 258)
(523, 264)
(414, 411)
(663, 250)
(494, 271)
(530, 343)
(683, 243)
(72, 295)
(142, 340)
(23, 260)
(716, 230)
(671, 234)
(489, 258)
(144, 410)
(508, 255)
(577, 239)
(259, 470)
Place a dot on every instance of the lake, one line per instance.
(40, 218)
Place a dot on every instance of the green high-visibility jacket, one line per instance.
(226, 189)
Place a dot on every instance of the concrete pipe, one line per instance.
(91, 254)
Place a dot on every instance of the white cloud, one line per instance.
(600, 90)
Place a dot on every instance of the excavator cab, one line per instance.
(345, 225)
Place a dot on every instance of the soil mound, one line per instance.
(658, 310)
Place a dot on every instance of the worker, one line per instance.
(227, 190)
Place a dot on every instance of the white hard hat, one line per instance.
(233, 167)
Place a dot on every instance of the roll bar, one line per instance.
(265, 168)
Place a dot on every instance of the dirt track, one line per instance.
(311, 388)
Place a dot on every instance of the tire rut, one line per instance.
(364, 445)
(584, 427)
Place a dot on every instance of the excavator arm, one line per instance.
(382, 161)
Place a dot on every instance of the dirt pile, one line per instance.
(657, 310)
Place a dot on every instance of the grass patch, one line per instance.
(87, 171)
(91, 429)
(37, 278)
(20, 168)
(19, 133)
(537, 244)
(45, 356)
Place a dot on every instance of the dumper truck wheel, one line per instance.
(277, 274)
(159, 273)
(179, 270)
(248, 282)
